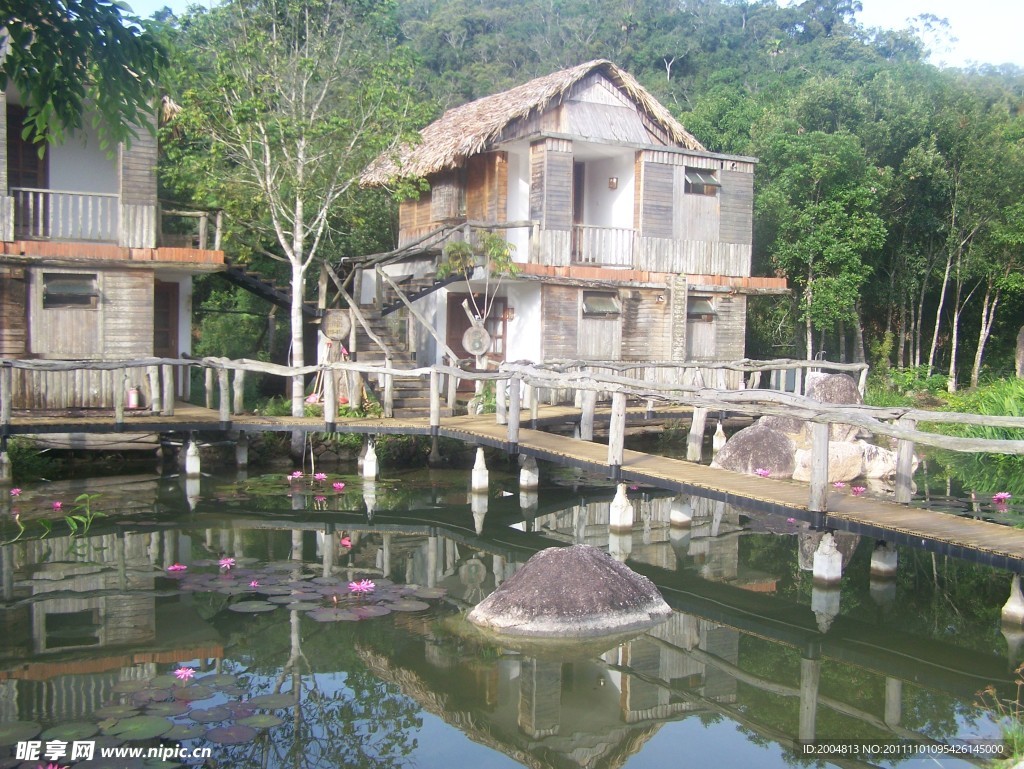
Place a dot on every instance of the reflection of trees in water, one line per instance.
(983, 474)
(343, 715)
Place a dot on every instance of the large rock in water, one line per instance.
(571, 591)
(758, 446)
(838, 389)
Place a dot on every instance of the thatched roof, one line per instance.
(471, 128)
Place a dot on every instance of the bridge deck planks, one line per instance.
(937, 531)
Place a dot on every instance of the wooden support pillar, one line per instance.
(155, 401)
(621, 513)
(435, 401)
(695, 438)
(587, 415)
(819, 467)
(529, 474)
(224, 398)
(6, 470)
(617, 435)
(208, 385)
(501, 401)
(827, 566)
(905, 464)
(168, 389)
(330, 400)
(884, 561)
(389, 392)
(6, 396)
(242, 451)
(453, 387)
(1013, 609)
(238, 387)
(370, 466)
(119, 396)
(192, 461)
(513, 415)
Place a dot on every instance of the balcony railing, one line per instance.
(63, 215)
(602, 246)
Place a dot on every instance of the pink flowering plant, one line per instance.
(184, 674)
(762, 472)
(362, 587)
(858, 491)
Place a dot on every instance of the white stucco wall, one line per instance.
(79, 165)
(523, 333)
(604, 207)
(519, 202)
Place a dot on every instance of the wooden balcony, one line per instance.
(603, 246)
(65, 215)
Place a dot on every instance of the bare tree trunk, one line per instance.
(858, 336)
(988, 314)
(938, 313)
(808, 327)
(901, 334)
(1018, 358)
(951, 384)
(842, 342)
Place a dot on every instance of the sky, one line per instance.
(986, 31)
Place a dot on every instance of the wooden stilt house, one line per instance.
(86, 272)
(634, 241)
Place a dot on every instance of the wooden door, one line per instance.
(578, 180)
(165, 319)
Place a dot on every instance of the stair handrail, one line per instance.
(452, 357)
(354, 309)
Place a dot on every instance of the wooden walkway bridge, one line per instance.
(818, 503)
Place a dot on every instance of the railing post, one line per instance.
(330, 400)
(453, 386)
(513, 415)
(118, 394)
(587, 416)
(389, 392)
(798, 381)
(435, 401)
(695, 438)
(905, 463)
(153, 375)
(819, 467)
(617, 435)
(500, 401)
(6, 396)
(224, 398)
(862, 381)
(238, 401)
(208, 384)
(167, 386)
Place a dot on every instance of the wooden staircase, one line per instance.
(413, 288)
(411, 397)
(264, 287)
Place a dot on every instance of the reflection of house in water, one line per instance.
(79, 615)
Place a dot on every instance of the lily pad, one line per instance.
(373, 610)
(233, 691)
(232, 735)
(218, 679)
(18, 731)
(165, 681)
(190, 693)
(430, 592)
(116, 711)
(141, 727)
(271, 701)
(302, 606)
(129, 687)
(407, 604)
(333, 615)
(252, 607)
(209, 715)
(181, 732)
(261, 721)
(69, 732)
(175, 708)
(147, 696)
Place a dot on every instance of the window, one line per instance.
(701, 181)
(700, 309)
(600, 304)
(70, 290)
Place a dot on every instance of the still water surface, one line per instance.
(754, 659)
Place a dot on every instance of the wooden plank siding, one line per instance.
(487, 187)
(560, 318)
(737, 207)
(12, 312)
(657, 193)
(443, 199)
(646, 324)
(414, 218)
(138, 191)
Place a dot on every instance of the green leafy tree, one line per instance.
(292, 99)
(63, 55)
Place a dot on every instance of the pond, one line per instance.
(217, 624)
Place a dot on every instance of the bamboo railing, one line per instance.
(518, 386)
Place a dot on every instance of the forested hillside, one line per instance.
(889, 192)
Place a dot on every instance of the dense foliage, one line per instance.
(887, 191)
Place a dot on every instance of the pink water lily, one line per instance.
(184, 674)
(320, 476)
(177, 567)
(226, 563)
(791, 520)
(338, 486)
(1002, 497)
(362, 586)
(57, 505)
(254, 583)
(346, 542)
(762, 472)
(839, 485)
(15, 492)
(858, 491)
(319, 498)
(296, 475)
